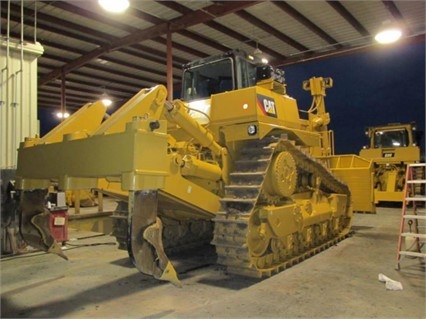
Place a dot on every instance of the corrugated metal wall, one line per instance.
(18, 99)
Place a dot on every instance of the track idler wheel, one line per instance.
(146, 238)
(258, 237)
(35, 222)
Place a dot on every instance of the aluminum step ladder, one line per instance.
(413, 219)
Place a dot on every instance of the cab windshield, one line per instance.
(201, 81)
(391, 138)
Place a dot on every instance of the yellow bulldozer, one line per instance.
(391, 147)
(232, 163)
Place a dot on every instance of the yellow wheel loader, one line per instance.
(231, 163)
(391, 148)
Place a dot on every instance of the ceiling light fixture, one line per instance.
(257, 53)
(114, 6)
(389, 33)
(62, 115)
(106, 101)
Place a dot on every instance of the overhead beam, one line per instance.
(348, 51)
(68, 29)
(153, 54)
(66, 6)
(225, 30)
(100, 38)
(119, 62)
(396, 14)
(390, 5)
(284, 6)
(76, 88)
(267, 28)
(336, 5)
(54, 96)
(204, 40)
(106, 70)
(174, 5)
(127, 28)
(181, 47)
(70, 82)
(243, 39)
(199, 16)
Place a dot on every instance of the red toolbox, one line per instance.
(58, 223)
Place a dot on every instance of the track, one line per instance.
(178, 236)
(238, 235)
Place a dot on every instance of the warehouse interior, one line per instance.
(224, 159)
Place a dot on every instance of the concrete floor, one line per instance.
(99, 281)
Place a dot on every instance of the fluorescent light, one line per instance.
(115, 6)
(388, 36)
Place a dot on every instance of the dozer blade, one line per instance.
(146, 238)
(35, 222)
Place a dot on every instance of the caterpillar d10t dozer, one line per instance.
(232, 163)
(391, 147)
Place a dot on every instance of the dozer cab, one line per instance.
(231, 163)
(391, 147)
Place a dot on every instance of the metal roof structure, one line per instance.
(88, 52)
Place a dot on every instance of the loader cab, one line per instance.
(217, 74)
(389, 138)
(392, 143)
(392, 136)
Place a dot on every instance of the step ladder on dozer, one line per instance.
(412, 235)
